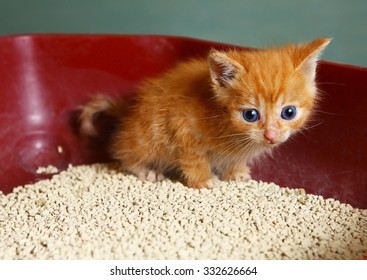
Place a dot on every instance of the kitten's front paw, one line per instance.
(209, 184)
(150, 175)
(238, 175)
(241, 177)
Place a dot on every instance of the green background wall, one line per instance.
(255, 23)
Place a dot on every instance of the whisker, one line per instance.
(231, 149)
(242, 149)
(219, 145)
(244, 152)
(329, 113)
(331, 83)
(230, 135)
(315, 125)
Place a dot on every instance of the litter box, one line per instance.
(44, 78)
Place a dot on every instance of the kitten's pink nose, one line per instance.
(270, 135)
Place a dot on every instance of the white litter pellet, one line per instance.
(96, 212)
(60, 149)
(49, 169)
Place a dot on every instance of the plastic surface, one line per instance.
(44, 78)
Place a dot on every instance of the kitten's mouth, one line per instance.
(272, 143)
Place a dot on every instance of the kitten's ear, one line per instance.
(223, 70)
(307, 55)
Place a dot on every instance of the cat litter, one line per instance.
(49, 169)
(97, 212)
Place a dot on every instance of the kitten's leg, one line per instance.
(136, 161)
(131, 147)
(238, 173)
(196, 170)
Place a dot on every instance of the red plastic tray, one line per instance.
(43, 78)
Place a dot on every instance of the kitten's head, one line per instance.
(269, 93)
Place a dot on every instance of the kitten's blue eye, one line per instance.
(251, 115)
(289, 112)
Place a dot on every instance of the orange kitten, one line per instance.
(209, 117)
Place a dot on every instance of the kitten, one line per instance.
(209, 117)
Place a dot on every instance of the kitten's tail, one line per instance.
(114, 107)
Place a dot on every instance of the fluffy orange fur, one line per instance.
(207, 118)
